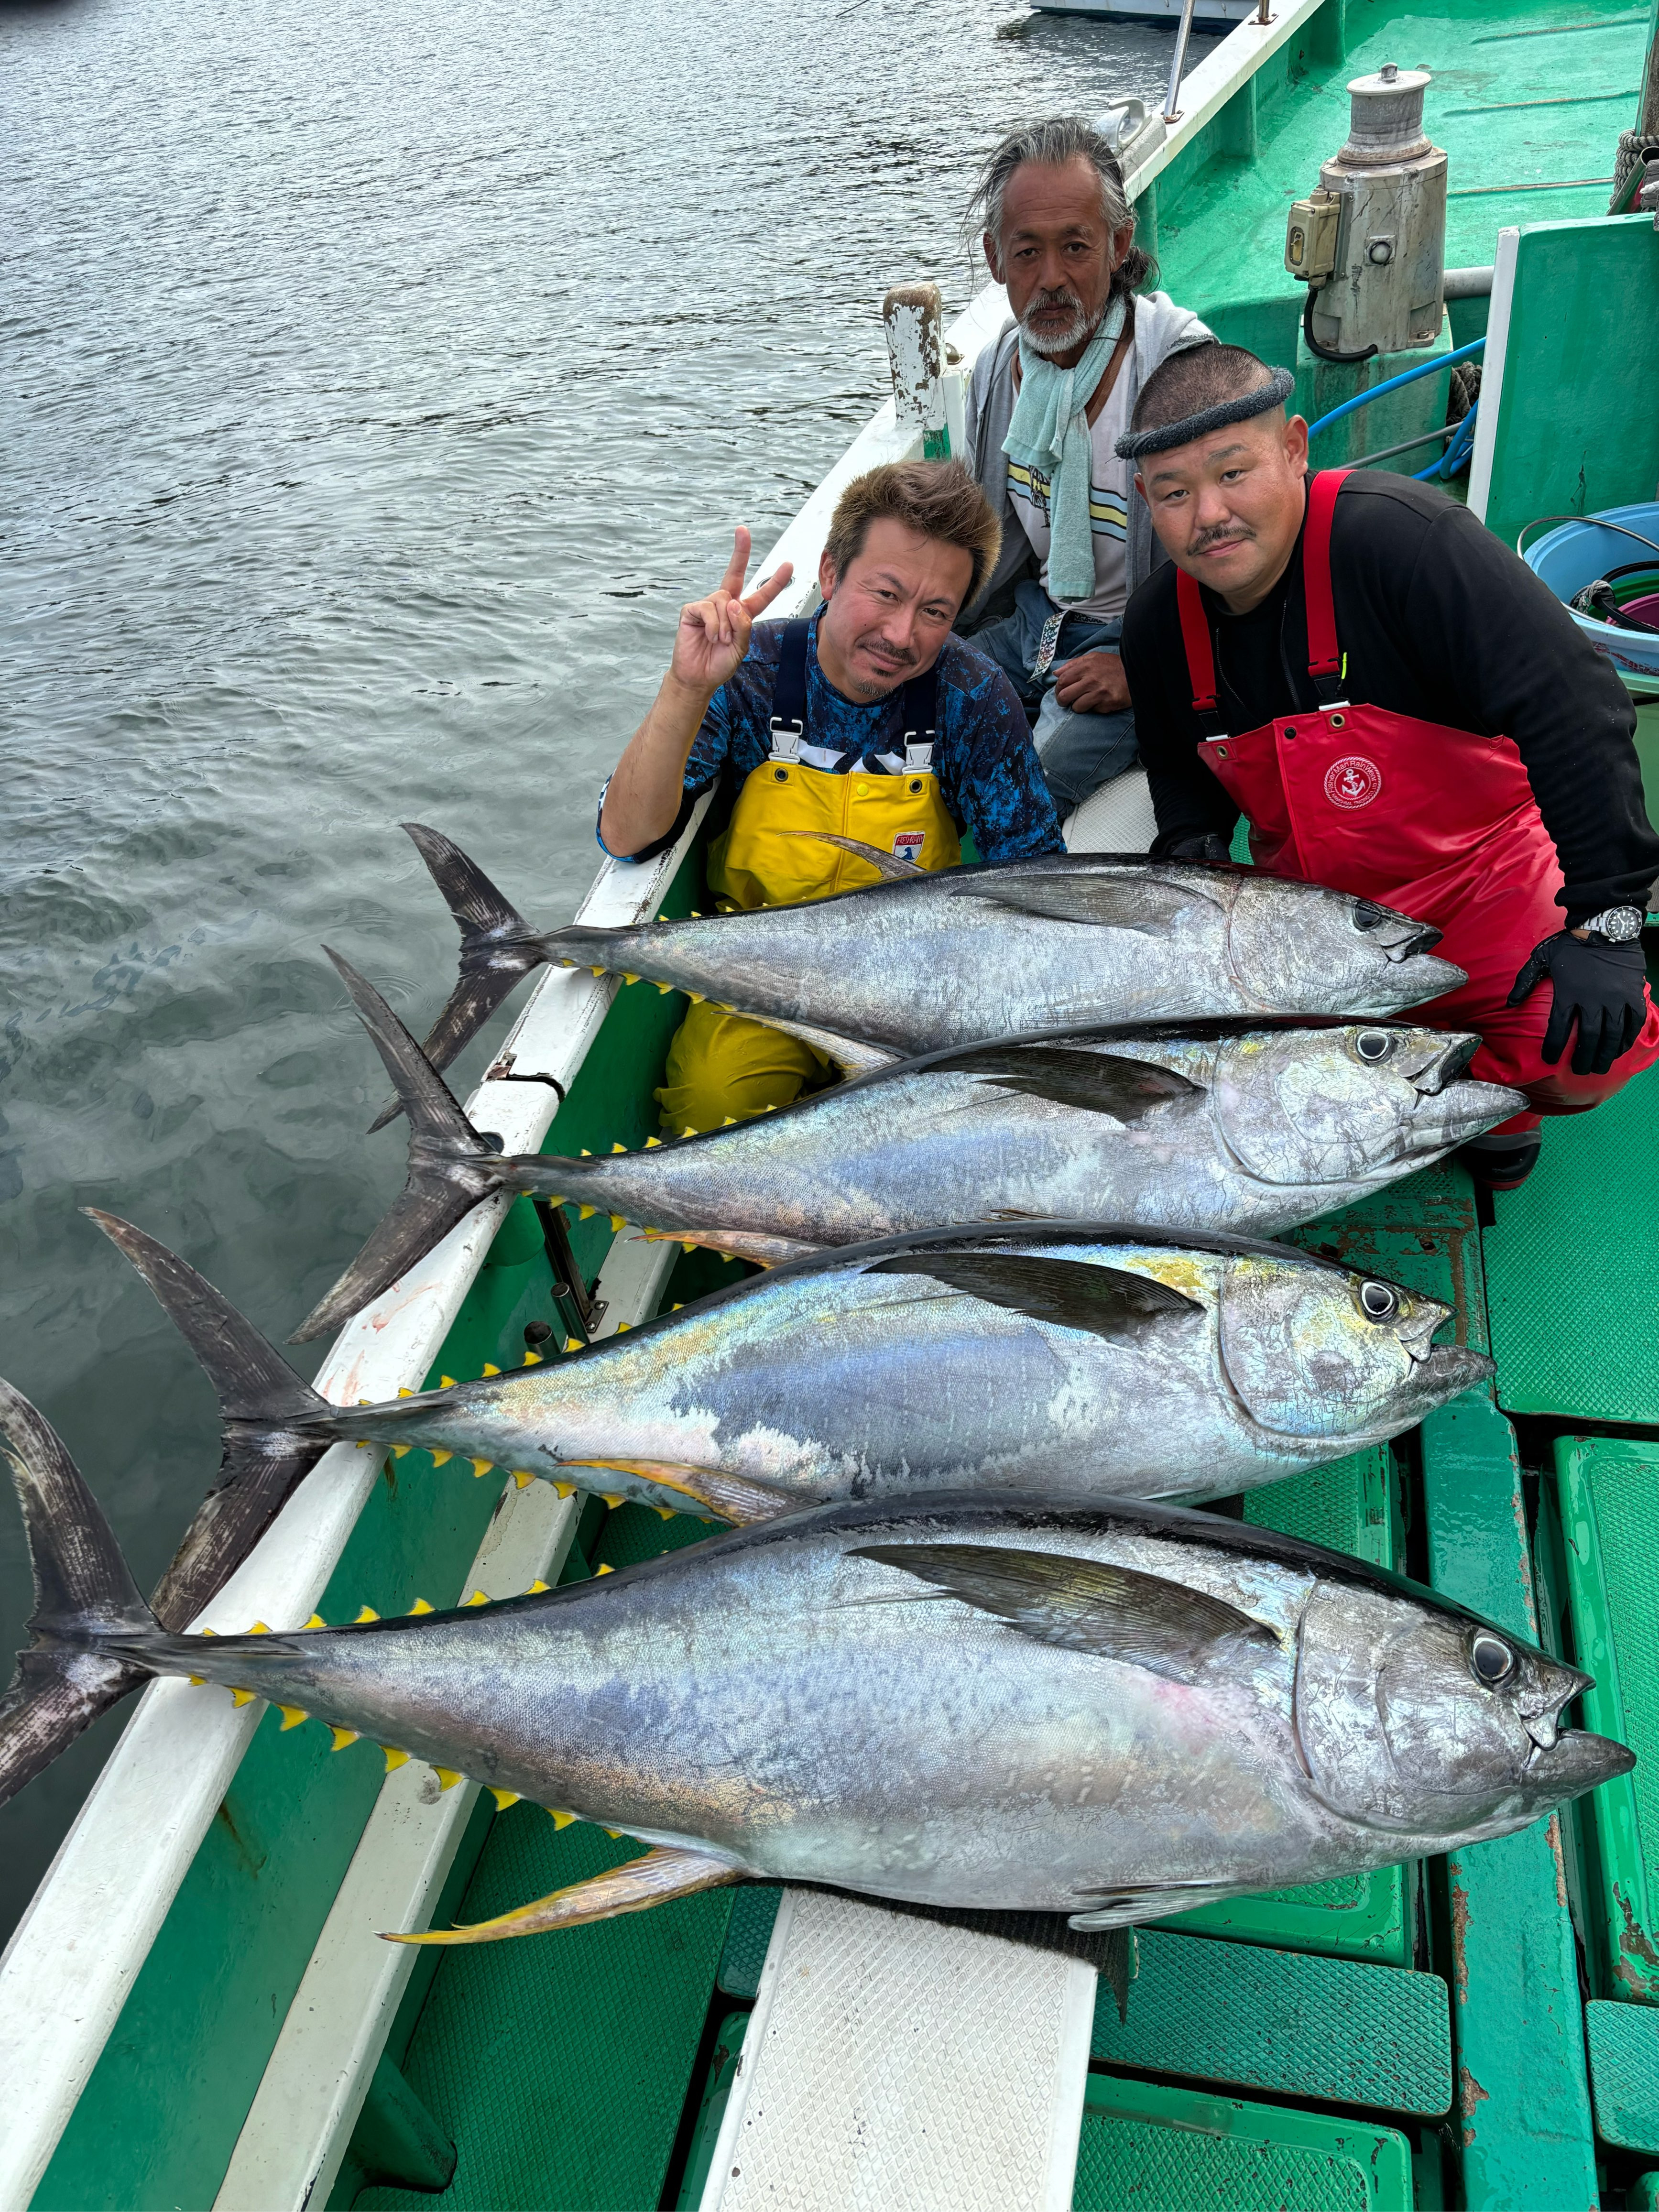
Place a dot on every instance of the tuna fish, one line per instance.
(1092, 1361)
(1108, 1712)
(1208, 1126)
(924, 961)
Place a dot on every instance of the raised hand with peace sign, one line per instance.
(709, 646)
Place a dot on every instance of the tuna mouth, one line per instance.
(1577, 1761)
(1423, 939)
(1447, 1064)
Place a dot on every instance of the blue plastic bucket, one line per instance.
(1575, 554)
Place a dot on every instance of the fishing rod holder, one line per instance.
(1370, 242)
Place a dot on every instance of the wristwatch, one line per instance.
(1617, 926)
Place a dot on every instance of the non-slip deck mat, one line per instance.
(1572, 1267)
(1624, 2061)
(1334, 2029)
(1177, 2150)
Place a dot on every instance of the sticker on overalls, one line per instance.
(1352, 781)
(908, 843)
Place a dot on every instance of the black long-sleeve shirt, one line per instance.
(1438, 621)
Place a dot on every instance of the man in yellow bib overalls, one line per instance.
(871, 720)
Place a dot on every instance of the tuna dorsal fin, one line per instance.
(1098, 1082)
(1117, 1612)
(634, 1887)
(891, 868)
(1117, 902)
(1106, 1301)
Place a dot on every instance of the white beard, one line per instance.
(1077, 332)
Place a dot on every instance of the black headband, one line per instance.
(1135, 444)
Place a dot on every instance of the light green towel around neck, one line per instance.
(1049, 432)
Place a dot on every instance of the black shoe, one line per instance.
(1501, 1162)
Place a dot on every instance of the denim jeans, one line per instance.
(1077, 753)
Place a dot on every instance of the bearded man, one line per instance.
(1046, 405)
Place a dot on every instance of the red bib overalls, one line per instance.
(1438, 822)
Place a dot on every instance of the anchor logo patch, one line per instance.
(1352, 781)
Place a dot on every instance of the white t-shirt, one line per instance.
(1111, 488)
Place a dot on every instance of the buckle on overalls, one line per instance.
(787, 738)
(918, 753)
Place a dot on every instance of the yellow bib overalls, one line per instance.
(722, 1065)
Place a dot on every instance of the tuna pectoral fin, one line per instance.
(892, 867)
(1110, 1301)
(450, 1166)
(851, 1054)
(1098, 1082)
(82, 1592)
(498, 947)
(1115, 902)
(1116, 1613)
(660, 1875)
(732, 1495)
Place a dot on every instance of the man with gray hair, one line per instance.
(1045, 406)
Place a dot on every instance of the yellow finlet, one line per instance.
(596, 971)
(678, 1305)
(560, 1819)
(565, 1489)
(316, 1621)
(664, 989)
(476, 1598)
(439, 1458)
(259, 1628)
(615, 1834)
(532, 1360)
(481, 1466)
(422, 1605)
(401, 1451)
(504, 1798)
(623, 1328)
(652, 1143)
(537, 1587)
(586, 1154)
(447, 1777)
(618, 1148)
(586, 1212)
(209, 1632)
(489, 1370)
(292, 1716)
(573, 1344)
(630, 978)
(367, 1613)
(697, 997)
(394, 1760)
(663, 1512)
(343, 1736)
(447, 1382)
(241, 1697)
(606, 1570)
(687, 1244)
(617, 1222)
(523, 1477)
(195, 1682)
(613, 1499)
(403, 1392)
(730, 1122)
(688, 1133)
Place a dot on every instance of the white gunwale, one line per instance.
(76, 1952)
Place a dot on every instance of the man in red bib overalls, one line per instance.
(1400, 709)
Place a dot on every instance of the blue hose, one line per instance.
(1393, 384)
(1460, 449)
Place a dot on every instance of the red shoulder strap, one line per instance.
(1195, 636)
(1324, 656)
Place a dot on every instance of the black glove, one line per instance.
(1595, 984)
(1210, 847)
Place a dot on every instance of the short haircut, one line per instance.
(936, 498)
(1192, 382)
(1057, 143)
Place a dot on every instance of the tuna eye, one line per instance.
(1373, 1044)
(1492, 1661)
(1367, 916)
(1379, 1301)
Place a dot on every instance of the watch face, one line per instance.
(1619, 924)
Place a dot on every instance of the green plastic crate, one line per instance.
(1176, 2150)
(1334, 2029)
(1572, 1312)
(1609, 1494)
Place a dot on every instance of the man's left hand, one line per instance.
(1093, 684)
(1596, 986)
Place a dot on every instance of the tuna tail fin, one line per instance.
(498, 947)
(82, 1592)
(273, 1421)
(450, 1166)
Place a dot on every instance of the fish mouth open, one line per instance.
(1418, 1337)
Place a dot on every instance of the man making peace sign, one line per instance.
(869, 721)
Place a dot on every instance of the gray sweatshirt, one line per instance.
(1161, 329)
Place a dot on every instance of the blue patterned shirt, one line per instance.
(983, 755)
